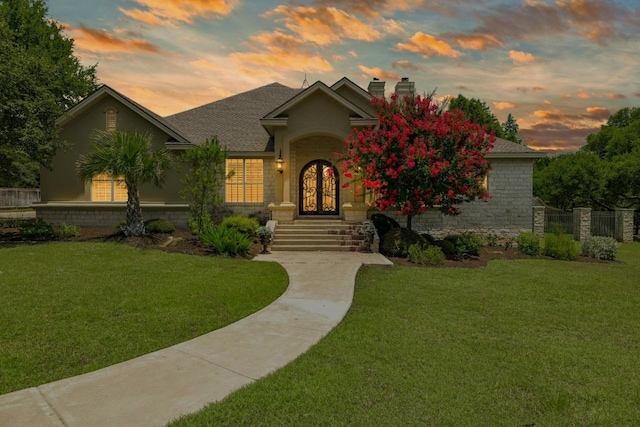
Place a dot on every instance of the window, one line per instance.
(245, 186)
(111, 120)
(106, 189)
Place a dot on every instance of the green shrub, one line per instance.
(492, 239)
(529, 243)
(226, 240)
(467, 244)
(509, 243)
(600, 247)
(37, 228)
(397, 241)
(159, 226)
(248, 226)
(560, 246)
(384, 224)
(65, 231)
(447, 248)
(429, 239)
(430, 255)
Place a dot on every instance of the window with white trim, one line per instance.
(246, 184)
(104, 188)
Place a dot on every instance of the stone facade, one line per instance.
(538, 221)
(507, 214)
(108, 214)
(624, 225)
(581, 223)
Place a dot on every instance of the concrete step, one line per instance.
(333, 248)
(318, 234)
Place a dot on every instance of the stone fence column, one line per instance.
(538, 221)
(581, 223)
(624, 225)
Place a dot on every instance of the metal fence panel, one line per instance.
(554, 219)
(603, 223)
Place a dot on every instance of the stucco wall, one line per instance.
(63, 184)
(507, 213)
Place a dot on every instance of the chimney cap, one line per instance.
(375, 79)
(405, 79)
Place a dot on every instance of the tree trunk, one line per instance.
(409, 219)
(135, 223)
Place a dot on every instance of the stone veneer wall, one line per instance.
(107, 215)
(624, 225)
(508, 213)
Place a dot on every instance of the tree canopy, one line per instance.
(39, 79)
(478, 112)
(604, 174)
(419, 157)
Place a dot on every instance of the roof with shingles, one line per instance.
(504, 148)
(234, 120)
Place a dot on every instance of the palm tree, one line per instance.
(130, 155)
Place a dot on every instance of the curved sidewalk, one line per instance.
(156, 388)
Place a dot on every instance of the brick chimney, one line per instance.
(376, 88)
(405, 87)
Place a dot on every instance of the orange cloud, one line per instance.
(324, 26)
(521, 57)
(616, 96)
(582, 94)
(427, 45)
(476, 41)
(169, 12)
(566, 96)
(92, 40)
(378, 72)
(534, 89)
(281, 59)
(406, 65)
(203, 63)
(504, 105)
(279, 40)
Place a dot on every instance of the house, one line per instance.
(281, 144)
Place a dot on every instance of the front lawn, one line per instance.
(520, 342)
(70, 308)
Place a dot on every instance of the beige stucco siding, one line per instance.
(66, 186)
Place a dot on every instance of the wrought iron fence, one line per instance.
(558, 219)
(603, 223)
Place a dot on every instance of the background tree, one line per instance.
(128, 155)
(510, 130)
(604, 174)
(419, 157)
(39, 79)
(478, 112)
(203, 182)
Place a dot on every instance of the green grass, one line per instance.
(70, 308)
(544, 342)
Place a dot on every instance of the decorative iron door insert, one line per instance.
(319, 189)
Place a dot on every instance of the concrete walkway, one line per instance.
(154, 389)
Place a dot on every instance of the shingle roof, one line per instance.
(504, 148)
(234, 120)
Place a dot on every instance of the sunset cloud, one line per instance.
(91, 40)
(534, 89)
(203, 63)
(616, 96)
(503, 105)
(427, 45)
(475, 41)
(407, 65)
(324, 26)
(582, 94)
(378, 72)
(280, 59)
(171, 12)
(521, 57)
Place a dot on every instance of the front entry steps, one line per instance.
(318, 235)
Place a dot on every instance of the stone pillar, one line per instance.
(624, 225)
(581, 223)
(538, 221)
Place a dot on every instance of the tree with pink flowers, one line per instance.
(419, 157)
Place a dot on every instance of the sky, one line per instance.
(560, 67)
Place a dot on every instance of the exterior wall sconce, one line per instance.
(280, 163)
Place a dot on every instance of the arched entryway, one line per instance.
(319, 189)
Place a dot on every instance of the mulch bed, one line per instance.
(187, 243)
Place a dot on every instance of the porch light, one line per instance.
(280, 162)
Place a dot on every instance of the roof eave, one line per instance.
(525, 155)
